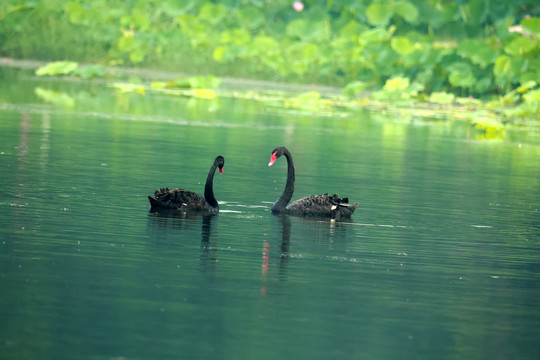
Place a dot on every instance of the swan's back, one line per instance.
(322, 206)
(178, 199)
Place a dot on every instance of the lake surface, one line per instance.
(441, 260)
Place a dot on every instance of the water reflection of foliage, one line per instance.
(396, 97)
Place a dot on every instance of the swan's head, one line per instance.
(220, 161)
(276, 153)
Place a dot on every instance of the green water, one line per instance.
(440, 261)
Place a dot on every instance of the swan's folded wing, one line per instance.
(312, 205)
(177, 199)
(322, 205)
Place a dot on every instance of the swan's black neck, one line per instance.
(209, 188)
(287, 194)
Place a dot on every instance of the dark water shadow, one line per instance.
(324, 232)
(179, 214)
(187, 223)
(285, 244)
(275, 253)
(176, 218)
(177, 231)
(209, 247)
(299, 238)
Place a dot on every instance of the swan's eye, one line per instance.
(272, 159)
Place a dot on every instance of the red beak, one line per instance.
(272, 159)
(221, 171)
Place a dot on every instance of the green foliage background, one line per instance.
(478, 48)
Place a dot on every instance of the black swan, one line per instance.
(313, 205)
(185, 200)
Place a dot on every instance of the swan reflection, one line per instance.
(310, 238)
(268, 258)
(187, 222)
(209, 248)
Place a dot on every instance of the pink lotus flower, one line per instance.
(298, 6)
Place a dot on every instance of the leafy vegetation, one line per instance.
(405, 51)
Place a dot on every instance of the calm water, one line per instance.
(440, 261)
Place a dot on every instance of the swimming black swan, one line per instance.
(185, 200)
(312, 205)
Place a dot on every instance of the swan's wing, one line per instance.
(343, 206)
(322, 205)
(315, 205)
(179, 199)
